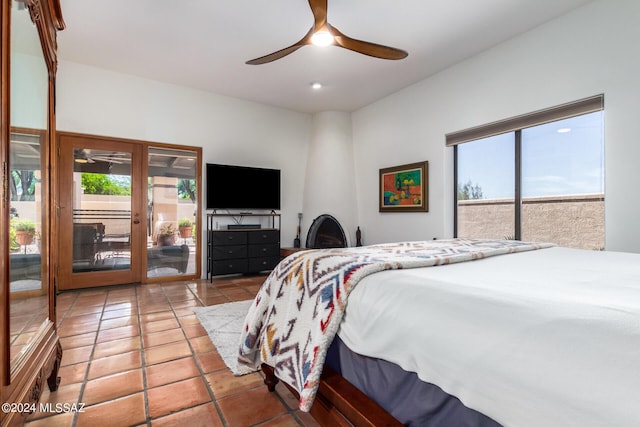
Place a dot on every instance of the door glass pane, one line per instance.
(485, 195)
(172, 197)
(101, 210)
(563, 182)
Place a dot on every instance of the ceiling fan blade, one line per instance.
(117, 161)
(319, 10)
(282, 52)
(366, 48)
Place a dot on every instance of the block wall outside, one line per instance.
(184, 209)
(572, 221)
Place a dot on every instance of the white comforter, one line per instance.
(542, 338)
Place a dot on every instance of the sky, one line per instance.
(554, 163)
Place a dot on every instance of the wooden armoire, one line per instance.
(31, 350)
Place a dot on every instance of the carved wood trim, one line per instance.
(43, 365)
(27, 387)
(48, 370)
(47, 16)
(53, 380)
(56, 15)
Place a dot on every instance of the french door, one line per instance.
(101, 218)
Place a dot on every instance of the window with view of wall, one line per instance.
(538, 182)
(485, 199)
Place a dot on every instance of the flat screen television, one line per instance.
(242, 187)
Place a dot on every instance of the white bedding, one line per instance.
(542, 338)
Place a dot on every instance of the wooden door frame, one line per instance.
(142, 185)
(67, 279)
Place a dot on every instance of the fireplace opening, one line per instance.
(326, 232)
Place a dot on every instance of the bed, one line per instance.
(500, 332)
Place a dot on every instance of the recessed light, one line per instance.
(564, 130)
(316, 85)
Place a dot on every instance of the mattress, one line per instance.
(548, 337)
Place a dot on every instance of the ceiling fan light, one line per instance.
(322, 38)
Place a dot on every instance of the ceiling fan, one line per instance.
(323, 34)
(92, 156)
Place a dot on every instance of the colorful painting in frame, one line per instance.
(405, 188)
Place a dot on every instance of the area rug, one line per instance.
(223, 323)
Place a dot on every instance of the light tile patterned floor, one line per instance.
(136, 355)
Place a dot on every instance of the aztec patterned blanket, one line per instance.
(298, 310)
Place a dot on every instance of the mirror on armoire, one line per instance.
(28, 275)
(30, 350)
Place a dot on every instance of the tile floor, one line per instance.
(136, 355)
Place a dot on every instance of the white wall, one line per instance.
(230, 131)
(590, 51)
(330, 179)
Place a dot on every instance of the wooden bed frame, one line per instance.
(338, 402)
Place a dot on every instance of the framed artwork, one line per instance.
(405, 188)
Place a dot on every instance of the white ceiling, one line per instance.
(204, 44)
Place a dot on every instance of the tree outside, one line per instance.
(469, 191)
(187, 189)
(97, 183)
(23, 183)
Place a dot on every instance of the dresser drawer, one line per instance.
(266, 250)
(219, 238)
(263, 236)
(230, 266)
(229, 252)
(262, 264)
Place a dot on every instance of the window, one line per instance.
(485, 191)
(541, 181)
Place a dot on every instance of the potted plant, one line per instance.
(14, 246)
(167, 235)
(184, 226)
(25, 230)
